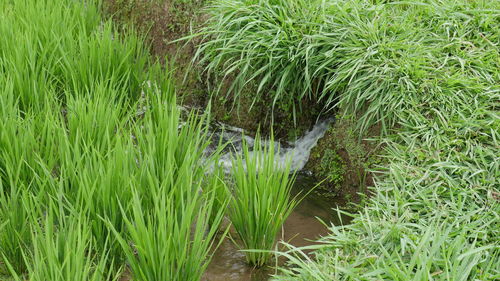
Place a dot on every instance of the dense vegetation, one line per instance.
(427, 72)
(99, 169)
(254, 173)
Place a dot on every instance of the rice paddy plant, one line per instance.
(217, 187)
(261, 200)
(63, 250)
(21, 163)
(171, 241)
(15, 231)
(98, 162)
(84, 123)
(166, 142)
(103, 187)
(171, 222)
(67, 48)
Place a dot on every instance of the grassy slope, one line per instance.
(428, 73)
(435, 210)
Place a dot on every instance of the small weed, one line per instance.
(332, 168)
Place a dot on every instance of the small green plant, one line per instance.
(261, 199)
(332, 167)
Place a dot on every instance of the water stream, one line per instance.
(298, 151)
(303, 226)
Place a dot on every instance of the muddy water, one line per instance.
(302, 226)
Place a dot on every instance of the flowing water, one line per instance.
(303, 226)
(298, 151)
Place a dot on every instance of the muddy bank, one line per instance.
(343, 160)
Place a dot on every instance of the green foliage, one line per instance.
(266, 43)
(350, 53)
(93, 153)
(332, 168)
(62, 250)
(430, 68)
(15, 232)
(172, 240)
(91, 142)
(261, 199)
(171, 222)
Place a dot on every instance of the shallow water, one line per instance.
(302, 226)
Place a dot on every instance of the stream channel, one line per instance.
(307, 222)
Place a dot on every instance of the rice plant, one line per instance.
(15, 231)
(102, 134)
(62, 250)
(170, 232)
(261, 200)
(168, 219)
(171, 241)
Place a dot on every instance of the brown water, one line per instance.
(302, 226)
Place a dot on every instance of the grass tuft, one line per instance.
(261, 200)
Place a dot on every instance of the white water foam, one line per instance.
(298, 151)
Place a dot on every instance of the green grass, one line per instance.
(431, 69)
(261, 199)
(99, 170)
(63, 250)
(171, 222)
(426, 72)
(15, 232)
(266, 42)
(91, 141)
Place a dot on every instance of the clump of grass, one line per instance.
(171, 221)
(15, 231)
(266, 42)
(63, 250)
(261, 200)
(434, 209)
(70, 129)
(171, 241)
